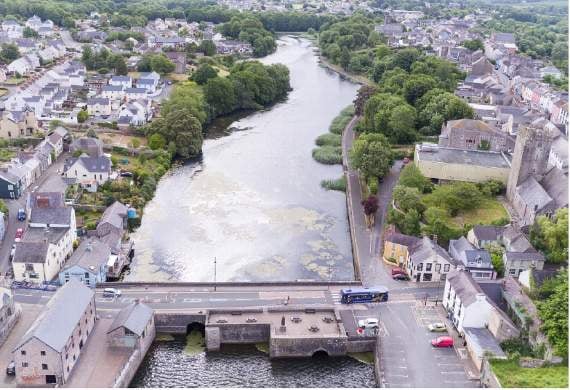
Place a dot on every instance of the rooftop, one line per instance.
(435, 153)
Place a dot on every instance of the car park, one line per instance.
(442, 342)
(437, 327)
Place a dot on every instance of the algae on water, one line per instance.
(262, 347)
(363, 357)
(164, 337)
(194, 343)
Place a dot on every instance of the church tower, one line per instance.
(530, 157)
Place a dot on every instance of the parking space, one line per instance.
(407, 357)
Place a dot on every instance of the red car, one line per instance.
(442, 342)
(19, 234)
(397, 271)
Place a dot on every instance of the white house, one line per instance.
(122, 81)
(99, 106)
(135, 113)
(135, 93)
(429, 262)
(90, 172)
(113, 92)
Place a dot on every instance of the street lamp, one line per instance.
(215, 266)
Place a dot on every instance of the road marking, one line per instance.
(398, 375)
(245, 299)
(218, 299)
(453, 372)
(447, 381)
(192, 300)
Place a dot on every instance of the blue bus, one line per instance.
(364, 294)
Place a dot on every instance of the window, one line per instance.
(427, 277)
(29, 267)
(420, 266)
(23, 353)
(428, 267)
(24, 364)
(438, 267)
(86, 275)
(512, 271)
(43, 353)
(44, 366)
(446, 268)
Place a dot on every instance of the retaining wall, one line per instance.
(177, 323)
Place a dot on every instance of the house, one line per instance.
(148, 84)
(397, 248)
(92, 146)
(132, 328)
(112, 92)
(472, 134)
(429, 262)
(89, 172)
(134, 113)
(55, 140)
(178, 58)
(111, 230)
(476, 261)
(34, 261)
(113, 220)
(476, 316)
(517, 262)
(8, 312)
(121, 81)
(88, 264)
(18, 124)
(450, 164)
(49, 350)
(135, 93)
(481, 235)
(99, 106)
(11, 186)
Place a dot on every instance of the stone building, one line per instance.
(472, 134)
(132, 328)
(49, 350)
(533, 188)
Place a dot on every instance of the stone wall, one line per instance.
(488, 378)
(177, 323)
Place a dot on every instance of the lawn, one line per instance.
(14, 80)
(510, 374)
(88, 217)
(489, 211)
(6, 154)
(3, 91)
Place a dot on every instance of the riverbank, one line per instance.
(350, 76)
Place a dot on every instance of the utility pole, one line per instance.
(215, 270)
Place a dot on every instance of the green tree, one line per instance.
(120, 66)
(82, 116)
(496, 252)
(416, 86)
(551, 236)
(30, 33)
(344, 59)
(207, 47)
(410, 224)
(371, 155)
(9, 52)
(182, 128)
(161, 64)
(473, 44)
(204, 73)
(220, 96)
(553, 311)
(408, 198)
(156, 141)
(411, 176)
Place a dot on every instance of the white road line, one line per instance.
(192, 300)
(453, 372)
(446, 381)
(398, 375)
(245, 299)
(218, 299)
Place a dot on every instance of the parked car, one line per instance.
(406, 161)
(111, 292)
(368, 323)
(21, 215)
(400, 277)
(437, 327)
(19, 234)
(11, 369)
(442, 342)
(397, 270)
(12, 252)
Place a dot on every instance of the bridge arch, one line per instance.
(320, 354)
(200, 327)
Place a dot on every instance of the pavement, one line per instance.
(50, 180)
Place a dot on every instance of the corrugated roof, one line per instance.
(60, 316)
(134, 317)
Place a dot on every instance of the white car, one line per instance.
(437, 327)
(368, 323)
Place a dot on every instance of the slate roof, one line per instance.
(10, 178)
(114, 215)
(440, 154)
(533, 194)
(93, 146)
(30, 252)
(40, 234)
(135, 90)
(90, 255)
(487, 233)
(94, 101)
(91, 164)
(60, 316)
(46, 199)
(515, 241)
(555, 183)
(58, 216)
(112, 88)
(121, 79)
(402, 239)
(524, 256)
(464, 286)
(483, 341)
(134, 317)
(425, 249)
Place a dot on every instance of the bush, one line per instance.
(335, 185)
(341, 120)
(372, 183)
(329, 139)
(328, 154)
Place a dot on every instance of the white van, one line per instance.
(111, 292)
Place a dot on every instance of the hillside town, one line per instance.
(75, 141)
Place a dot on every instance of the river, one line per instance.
(254, 204)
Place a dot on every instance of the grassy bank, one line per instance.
(335, 184)
(510, 374)
(328, 154)
(329, 149)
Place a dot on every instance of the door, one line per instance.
(418, 277)
(51, 379)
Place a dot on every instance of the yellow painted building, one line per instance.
(448, 164)
(396, 248)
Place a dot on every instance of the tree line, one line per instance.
(192, 106)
